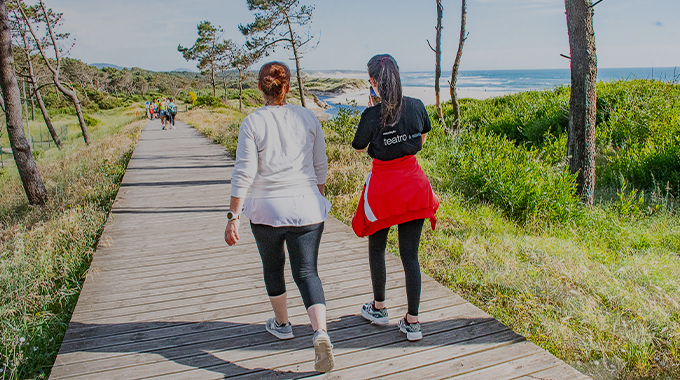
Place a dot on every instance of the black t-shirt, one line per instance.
(402, 139)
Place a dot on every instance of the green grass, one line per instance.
(45, 251)
(67, 127)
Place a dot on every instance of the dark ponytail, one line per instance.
(384, 70)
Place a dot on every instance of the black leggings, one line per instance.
(303, 251)
(409, 239)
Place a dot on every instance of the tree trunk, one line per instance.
(28, 125)
(240, 91)
(28, 170)
(454, 71)
(76, 104)
(48, 121)
(224, 79)
(299, 78)
(297, 63)
(438, 61)
(34, 88)
(32, 108)
(212, 74)
(583, 101)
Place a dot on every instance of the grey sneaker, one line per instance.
(323, 352)
(284, 331)
(412, 330)
(379, 317)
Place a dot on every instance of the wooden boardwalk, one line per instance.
(166, 297)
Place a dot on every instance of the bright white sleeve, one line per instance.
(245, 168)
(319, 152)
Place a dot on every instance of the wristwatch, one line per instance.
(232, 215)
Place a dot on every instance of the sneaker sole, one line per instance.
(324, 354)
(412, 336)
(377, 321)
(279, 335)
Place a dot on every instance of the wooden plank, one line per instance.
(561, 372)
(514, 368)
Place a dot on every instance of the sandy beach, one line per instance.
(426, 94)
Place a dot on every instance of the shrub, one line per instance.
(90, 121)
(639, 121)
(344, 125)
(527, 117)
(207, 100)
(110, 102)
(492, 169)
(646, 167)
(634, 112)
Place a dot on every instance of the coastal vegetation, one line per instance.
(596, 286)
(45, 251)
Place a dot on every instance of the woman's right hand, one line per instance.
(231, 232)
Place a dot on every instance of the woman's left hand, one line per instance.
(231, 232)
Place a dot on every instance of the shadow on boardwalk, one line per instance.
(216, 346)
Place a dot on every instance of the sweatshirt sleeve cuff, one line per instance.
(239, 192)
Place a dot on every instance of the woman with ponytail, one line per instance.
(281, 153)
(396, 192)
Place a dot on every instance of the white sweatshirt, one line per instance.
(281, 152)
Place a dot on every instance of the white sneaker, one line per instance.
(323, 351)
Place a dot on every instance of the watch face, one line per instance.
(230, 215)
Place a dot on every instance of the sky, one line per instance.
(503, 34)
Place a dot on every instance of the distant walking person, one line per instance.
(172, 111)
(396, 192)
(163, 113)
(152, 109)
(282, 153)
(148, 111)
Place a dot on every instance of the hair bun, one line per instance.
(273, 78)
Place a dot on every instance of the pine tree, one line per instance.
(278, 22)
(206, 50)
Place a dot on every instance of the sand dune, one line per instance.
(426, 94)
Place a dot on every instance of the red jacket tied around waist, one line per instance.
(395, 192)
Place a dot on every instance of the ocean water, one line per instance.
(512, 81)
(525, 80)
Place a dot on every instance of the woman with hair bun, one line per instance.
(396, 192)
(281, 153)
